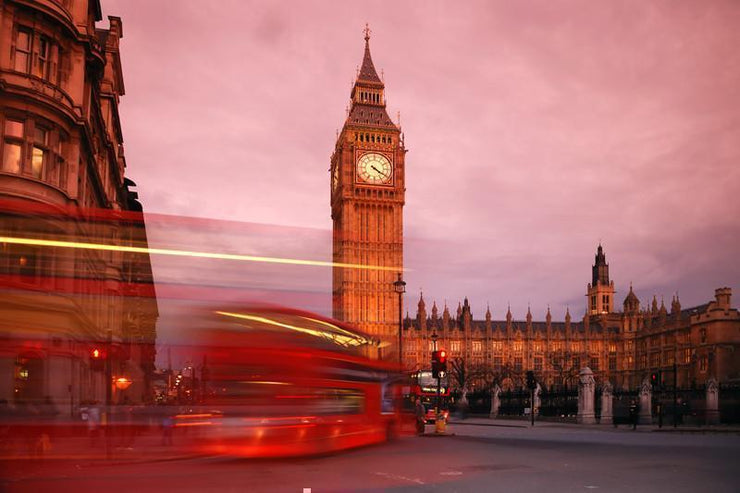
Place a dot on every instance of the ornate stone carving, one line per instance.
(607, 389)
(712, 402)
(495, 401)
(646, 400)
(607, 401)
(586, 396)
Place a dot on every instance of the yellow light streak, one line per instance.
(337, 338)
(187, 253)
(334, 327)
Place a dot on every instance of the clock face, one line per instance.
(374, 168)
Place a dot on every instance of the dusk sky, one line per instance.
(534, 129)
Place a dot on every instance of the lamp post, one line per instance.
(439, 379)
(400, 287)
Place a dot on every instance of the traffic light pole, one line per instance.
(439, 400)
(108, 393)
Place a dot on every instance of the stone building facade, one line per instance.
(367, 176)
(622, 347)
(62, 179)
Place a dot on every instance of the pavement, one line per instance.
(475, 457)
(525, 423)
(148, 446)
(143, 447)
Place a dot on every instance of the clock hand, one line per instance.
(376, 169)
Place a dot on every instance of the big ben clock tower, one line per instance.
(367, 198)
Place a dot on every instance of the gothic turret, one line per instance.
(600, 269)
(631, 303)
(675, 305)
(600, 293)
(421, 313)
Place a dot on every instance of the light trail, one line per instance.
(342, 340)
(187, 253)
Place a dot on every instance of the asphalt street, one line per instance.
(548, 457)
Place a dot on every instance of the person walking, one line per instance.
(634, 413)
(420, 419)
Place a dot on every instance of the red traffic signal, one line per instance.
(97, 358)
(439, 363)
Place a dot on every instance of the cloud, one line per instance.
(535, 129)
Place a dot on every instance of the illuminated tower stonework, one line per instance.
(600, 292)
(367, 198)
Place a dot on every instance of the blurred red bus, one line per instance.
(281, 382)
(425, 388)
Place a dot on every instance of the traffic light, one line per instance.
(439, 363)
(531, 382)
(97, 359)
(442, 361)
(656, 379)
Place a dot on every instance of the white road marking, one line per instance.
(591, 487)
(403, 478)
(451, 473)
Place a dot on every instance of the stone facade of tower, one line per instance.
(62, 178)
(600, 293)
(367, 199)
(622, 347)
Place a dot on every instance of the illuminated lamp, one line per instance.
(122, 383)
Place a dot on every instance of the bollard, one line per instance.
(440, 424)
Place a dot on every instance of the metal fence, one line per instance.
(562, 403)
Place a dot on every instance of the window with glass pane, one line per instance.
(23, 51)
(40, 135)
(37, 161)
(12, 157)
(43, 58)
(13, 129)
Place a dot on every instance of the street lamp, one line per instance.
(400, 287)
(122, 383)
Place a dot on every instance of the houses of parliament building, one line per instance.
(368, 186)
(623, 347)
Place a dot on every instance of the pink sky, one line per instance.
(534, 129)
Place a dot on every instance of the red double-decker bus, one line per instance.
(284, 382)
(425, 387)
